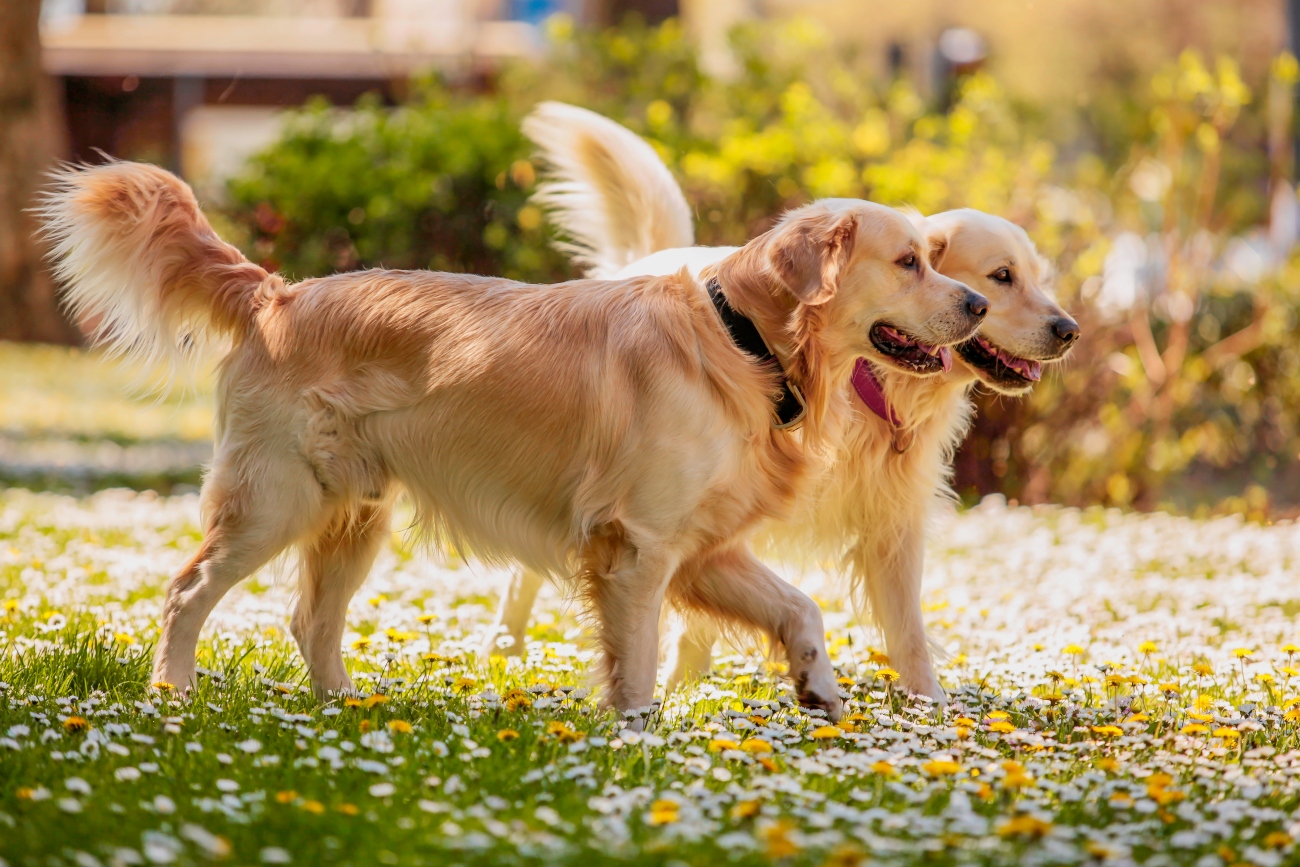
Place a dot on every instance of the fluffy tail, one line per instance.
(141, 265)
(606, 189)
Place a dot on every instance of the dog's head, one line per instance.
(1024, 328)
(866, 269)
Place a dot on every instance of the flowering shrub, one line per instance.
(1182, 389)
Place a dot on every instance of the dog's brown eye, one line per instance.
(1002, 275)
(908, 261)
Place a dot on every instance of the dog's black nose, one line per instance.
(976, 304)
(1065, 329)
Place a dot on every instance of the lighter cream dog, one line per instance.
(605, 429)
(624, 214)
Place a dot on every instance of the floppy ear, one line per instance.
(937, 241)
(809, 254)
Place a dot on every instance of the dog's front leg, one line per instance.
(733, 584)
(889, 572)
(690, 650)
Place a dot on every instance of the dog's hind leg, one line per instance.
(734, 585)
(513, 615)
(252, 512)
(335, 564)
(690, 650)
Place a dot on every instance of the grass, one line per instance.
(1124, 689)
(1121, 692)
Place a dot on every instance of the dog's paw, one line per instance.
(502, 644)
(829, 702)
(929, 687)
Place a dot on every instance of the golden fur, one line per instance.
(608, 429)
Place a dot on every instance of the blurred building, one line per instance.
(200, 84)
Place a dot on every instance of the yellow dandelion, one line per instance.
(1147, 647)
(822, 733)
(878, 658)
(378, 599)
(374, 700)
(1159, 789)
(1110, 731)
(1016, 777)
(997, 714)
(1193, 729)
(717, 745)
(1108, 765)
(1278, 839)
(1073, 650)
(286, 797)
(745, 809)
(124, 638)
(1024, 826)
(313, 807)
(888, 675)
(1203, 668)
(426, 619)
(351, 702)
(1171, 689)
(964, 721)
(663, 812)
(76, 724)
(1225, 733)
(348, 809)
(1293, 715)
(361, 642)
(507, 735)
(1001, 726)
(756, 745)
(399, 726)
(1243, 653)
(776, 837)
(465, 684)
(884, 768)
(941, 768)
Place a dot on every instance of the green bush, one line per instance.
(1186, 396)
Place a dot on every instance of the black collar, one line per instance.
(790, 409)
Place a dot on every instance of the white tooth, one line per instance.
(945, 355)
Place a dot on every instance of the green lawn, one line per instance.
(1121, 692)
(1101, 709)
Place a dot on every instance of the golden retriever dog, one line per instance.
(609, 430)
(618, 206)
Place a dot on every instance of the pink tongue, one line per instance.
(945, 355)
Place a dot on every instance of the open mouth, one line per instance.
(908, 353)
(998, 365)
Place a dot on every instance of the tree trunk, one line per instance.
(29, 140)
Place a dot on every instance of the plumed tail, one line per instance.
(141, 266)
(605, 189)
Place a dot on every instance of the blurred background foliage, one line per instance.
(1163, 202)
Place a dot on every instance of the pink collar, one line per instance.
(868, 387)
